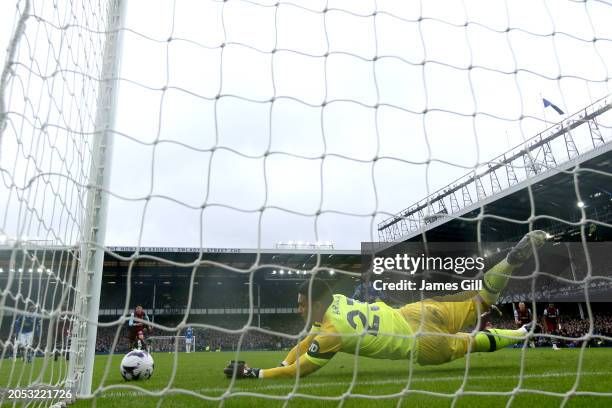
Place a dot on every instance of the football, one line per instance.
(137, 365)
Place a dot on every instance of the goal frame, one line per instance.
(91, 252)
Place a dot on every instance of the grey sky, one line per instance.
(349, 126)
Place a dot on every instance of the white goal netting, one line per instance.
(249, 124)
(55, 97)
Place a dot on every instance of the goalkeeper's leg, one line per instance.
(438, 349)
(460, 310)
(496, 339)
(496, 278)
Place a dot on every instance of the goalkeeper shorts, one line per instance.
(437, 324)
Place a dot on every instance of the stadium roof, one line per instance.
(577, 140)
(554, 196)
(220, 262)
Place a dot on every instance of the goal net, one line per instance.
(144, 145)
(56, 100)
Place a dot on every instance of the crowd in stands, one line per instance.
(206, 339)
(572, 327)
(254, 339)
(105, 338)
(211, 340)
(576, 328)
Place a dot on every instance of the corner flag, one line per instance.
(548, 103)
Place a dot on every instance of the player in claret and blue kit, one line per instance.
(138, 331)
(523, 316)
(552, 323)
(342, 324)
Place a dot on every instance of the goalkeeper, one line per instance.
(379, 331)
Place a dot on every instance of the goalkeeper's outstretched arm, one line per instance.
(321, 350)
(302, 367)
(298, 350)
(323, 342)
(302, 346)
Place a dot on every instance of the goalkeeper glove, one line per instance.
(523, 250)
(241, 369)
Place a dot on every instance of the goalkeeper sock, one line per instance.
(490, 340)
(494, 281)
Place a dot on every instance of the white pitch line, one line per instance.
(359, 383)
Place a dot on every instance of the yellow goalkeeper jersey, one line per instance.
(371, 330)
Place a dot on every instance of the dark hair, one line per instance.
(321, 292)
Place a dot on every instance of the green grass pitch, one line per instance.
(201, 374)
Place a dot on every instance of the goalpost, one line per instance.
(91, 248)
(225, 107)
(57, 98)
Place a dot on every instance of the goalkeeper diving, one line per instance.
(341, 324)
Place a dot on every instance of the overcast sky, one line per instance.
(242, 125)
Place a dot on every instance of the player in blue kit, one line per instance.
(26, 327)
(189, 340)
